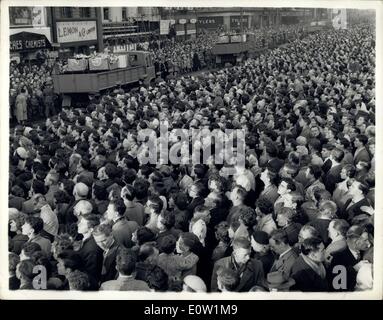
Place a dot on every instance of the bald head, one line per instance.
(80, 190)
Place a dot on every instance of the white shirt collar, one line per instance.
(282, 254)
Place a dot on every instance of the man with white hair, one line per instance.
(83, 207)
(242, 174)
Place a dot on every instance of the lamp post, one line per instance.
(241, 20)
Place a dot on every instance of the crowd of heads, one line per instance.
(84, 205)
(183, 56)
(30, 91)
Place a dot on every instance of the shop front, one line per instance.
(238, 23)
(206, 23)
(29, 33)
(28, 45)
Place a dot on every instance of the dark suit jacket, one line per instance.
(193, 204)
(292, 231)
(344, 258)
(285, 263)
(16, 243)
(321, 225)
(332, 178)
(91, 255)
(306, 279)
(14, 283)
(251, 276)
(143, 269)
(250, 199)
(267, 260)
(220, 212)
(353, 210)
(69, 217)
(109, 271)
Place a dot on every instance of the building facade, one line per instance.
(30, 19)
(29, 23)
(77, 29)
(122, 23)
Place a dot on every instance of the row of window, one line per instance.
(67, 12)
(106, 14)
(124, 11)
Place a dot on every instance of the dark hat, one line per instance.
(261, 237)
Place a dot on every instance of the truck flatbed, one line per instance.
(141, 68)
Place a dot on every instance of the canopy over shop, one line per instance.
(28, 41)
(27, 45)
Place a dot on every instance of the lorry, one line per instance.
(140, 67)
(230, 48)
(236, 48)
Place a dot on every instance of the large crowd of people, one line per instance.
(31, 94)
(180, 57)
(299, 216)
(31, 89)
(184, 56)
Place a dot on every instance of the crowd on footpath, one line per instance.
(31, 95)
(299, 216)
(175, 58)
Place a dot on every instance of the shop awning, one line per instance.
(28, 41)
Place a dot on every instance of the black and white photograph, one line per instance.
(208, 150)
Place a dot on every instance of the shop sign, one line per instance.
(75, 31)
